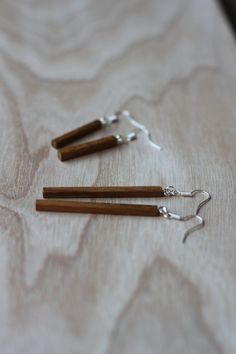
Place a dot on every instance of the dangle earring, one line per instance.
(53, 205)
(84, 130)
(70, 152)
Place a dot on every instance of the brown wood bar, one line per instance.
(71, 152)
(96, 208)
(76, 134)
(104, 192)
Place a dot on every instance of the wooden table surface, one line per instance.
(112, 284)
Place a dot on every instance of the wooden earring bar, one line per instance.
(76, 134)
(71, 152)
(104, 192)
(97, 208)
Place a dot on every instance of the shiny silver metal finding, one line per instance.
(106, 121)
(139, 128)
(171, 191)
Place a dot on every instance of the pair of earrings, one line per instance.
(52, 204)
(73, 151)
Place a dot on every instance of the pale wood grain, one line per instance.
(108, 284)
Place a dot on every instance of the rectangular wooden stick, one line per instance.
(104, 192)
(76, 134)
(96, 208)
(71, 152)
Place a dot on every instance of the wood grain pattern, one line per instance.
(76, 134)
(65, 206)
(82, 284)
(90, 147)
(104, 192)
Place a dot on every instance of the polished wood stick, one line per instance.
(63, 206)
(104, 192)
(71, 152)
(76, 134)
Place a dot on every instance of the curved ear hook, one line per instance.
(171, 216)
(140, 127)
(205, 201)
(167, 214)
(194, 228)
(201, 220)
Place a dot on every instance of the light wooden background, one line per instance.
(101, 284)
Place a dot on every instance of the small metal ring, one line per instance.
(164, 211)
(170, 191)
(120, 139)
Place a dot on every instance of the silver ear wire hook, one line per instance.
(205, 201)
(171, 216)
(201, 204)
(141, 128)
(171, 191)
(194, 228)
